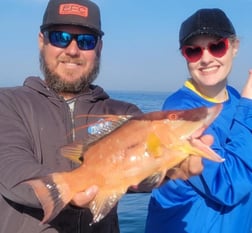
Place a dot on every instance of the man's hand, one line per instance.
(82, 199)
(192, 165)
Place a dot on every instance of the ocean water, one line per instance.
(146, 101)
(132, 208)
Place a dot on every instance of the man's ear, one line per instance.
(41, 40)
(99, 47)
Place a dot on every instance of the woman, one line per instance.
(218, 200)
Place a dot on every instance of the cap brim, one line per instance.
(47, 26)
(209, 32)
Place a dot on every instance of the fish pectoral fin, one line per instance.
(151, 182)
(103, 203)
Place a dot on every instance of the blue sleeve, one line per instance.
(230, 181)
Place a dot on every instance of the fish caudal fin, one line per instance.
(51, 196)
(104, 201)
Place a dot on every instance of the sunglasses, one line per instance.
(63, 39)
(194, 53)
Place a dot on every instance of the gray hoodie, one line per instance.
(34, 124)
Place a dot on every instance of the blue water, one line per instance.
(146, 101)
(132, 209)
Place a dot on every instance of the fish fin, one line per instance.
(103, 127)
(150, 182)
(104, 201)
(154, 145)
(73, 152)
(154, 179)
(108, 117)
(49, 195)
(117, 120)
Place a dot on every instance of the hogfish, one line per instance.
(142, 148)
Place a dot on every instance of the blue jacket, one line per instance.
(219, 200)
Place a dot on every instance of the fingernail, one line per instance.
(91, 190)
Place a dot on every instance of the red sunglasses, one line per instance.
(194, 53)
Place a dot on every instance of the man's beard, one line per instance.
(55, 82)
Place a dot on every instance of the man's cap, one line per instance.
(72, 12)
(206, 21)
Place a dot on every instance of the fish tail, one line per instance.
(53, 194)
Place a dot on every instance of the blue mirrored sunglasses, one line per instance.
(63, 39)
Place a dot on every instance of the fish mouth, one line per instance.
(197, 134)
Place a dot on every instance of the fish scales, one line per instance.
(143, 148)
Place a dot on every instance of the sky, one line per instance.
(140, 45)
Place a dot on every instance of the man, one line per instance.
(37, 119)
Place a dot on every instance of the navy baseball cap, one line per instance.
(72, 12)
(206, 21)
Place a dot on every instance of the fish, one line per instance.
(138, 149)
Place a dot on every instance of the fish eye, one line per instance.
(173, 116)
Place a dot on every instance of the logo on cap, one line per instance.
(73, 9)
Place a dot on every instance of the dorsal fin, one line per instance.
(103, 126)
